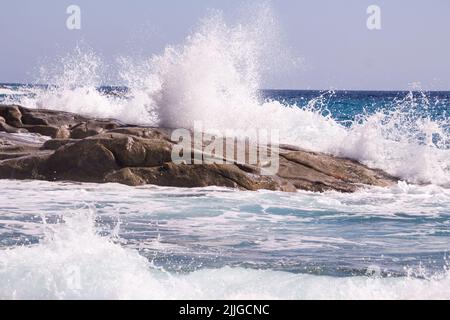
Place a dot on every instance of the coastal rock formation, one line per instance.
(76, 148)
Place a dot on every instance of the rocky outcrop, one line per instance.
(84, 149)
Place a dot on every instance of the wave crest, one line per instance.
(214, 77)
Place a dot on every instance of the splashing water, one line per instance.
(73, 259)
(404, 141)
(74, 87)
(214, 77)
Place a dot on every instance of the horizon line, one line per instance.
(262, 89)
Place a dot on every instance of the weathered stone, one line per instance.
(54, 144)
(132, 151)
(57, 124)
(346, 170)
(86, 162)
(10, 151)
(35, 118)
(81, 133)
(125, 176)
(16, 146)
(148, 133)
(49, 117)
(22, 168)
(9, 129)
(105, 150)
(91, 128)
(12, 115)
(191, 176)
(50, 131)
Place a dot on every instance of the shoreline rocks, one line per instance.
(83, 149)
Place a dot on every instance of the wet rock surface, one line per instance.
(65, 146)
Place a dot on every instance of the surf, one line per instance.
(74, 260)
(215, 77)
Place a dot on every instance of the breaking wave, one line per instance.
(214, 77)
(73, 262)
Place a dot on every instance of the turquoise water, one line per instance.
(154, 242)
(348, 105)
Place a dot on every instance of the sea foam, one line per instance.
(73, 262)
(214, 76)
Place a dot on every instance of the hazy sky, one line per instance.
(330, 36)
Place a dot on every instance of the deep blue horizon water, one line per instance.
(342, 104)
(345, 105)
(155, 242)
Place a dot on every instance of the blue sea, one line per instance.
(63, 240)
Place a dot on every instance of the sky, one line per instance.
(330, 37)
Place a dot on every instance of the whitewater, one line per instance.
(86, 241)
(215, 78)
(170, 243)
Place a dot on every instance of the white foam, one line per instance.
(7, 91)
(214, 77)
(73, 262)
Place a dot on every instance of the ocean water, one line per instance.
(63, 240)
(70, 240)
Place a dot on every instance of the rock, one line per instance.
(9, 129)
(54, 144)
(16, 146)
(82, 132)
(50, 131)
(133, 151)
(84, 162)
(55, 124)
(190, 176)
(148, 133)
(92, 127)
(22, 168)
(35, 118)
(12, 115)
(106, 150)
(11, 151)
(49, 117)
(125, 176)
(346, 170)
